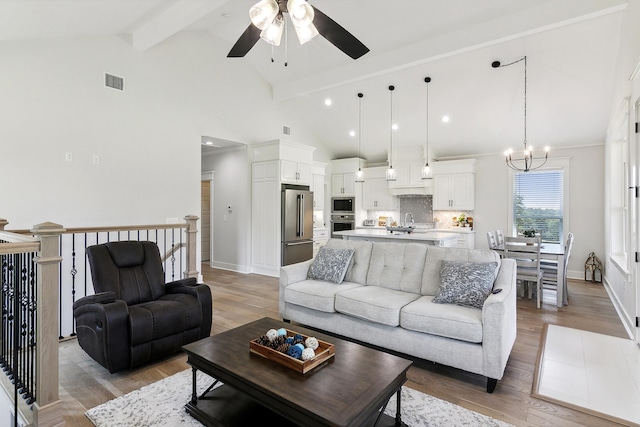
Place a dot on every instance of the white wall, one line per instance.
(148, 137)
(231, 230)
(586, 200)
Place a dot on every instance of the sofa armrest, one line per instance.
(499, 321)
(290, 274)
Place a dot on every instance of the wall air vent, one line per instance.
(114, 82)
(286, 130)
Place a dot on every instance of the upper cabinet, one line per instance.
(343, 184)
(454, 185)
(343, 176)
(295, 173)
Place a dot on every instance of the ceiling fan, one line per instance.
(267, 22)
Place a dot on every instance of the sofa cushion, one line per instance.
(397, 266)
(465, 283)
(431, 273)
(357, 271)
(316, 294)
(451, 321)
(330, 264)
(374, 303)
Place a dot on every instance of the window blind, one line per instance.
(538, 203)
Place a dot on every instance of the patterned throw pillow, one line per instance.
(465, 283)
(330, 264)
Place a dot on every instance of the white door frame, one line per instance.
(634, 181)
(210, 176)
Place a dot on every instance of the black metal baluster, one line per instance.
(33, 308)
(73, 281)
(173, 254)
(60, 293)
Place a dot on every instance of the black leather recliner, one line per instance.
(134, 317)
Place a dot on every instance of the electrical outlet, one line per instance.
(68, 157)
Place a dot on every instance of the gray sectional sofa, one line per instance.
(386, 299)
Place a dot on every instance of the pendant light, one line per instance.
(359, 173)
(391, 172)
(426, 172)
(528, 160)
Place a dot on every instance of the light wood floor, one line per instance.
(240, 298)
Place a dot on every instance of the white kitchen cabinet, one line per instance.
(408, 173)
(320, 238)
(453, 191)
(376, 196)
(295, 173)
(343, 184)
(317, 186)
(265, 256)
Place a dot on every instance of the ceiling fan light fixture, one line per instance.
(273, 33)
(306, 33)
(263, 13)
(301, 12)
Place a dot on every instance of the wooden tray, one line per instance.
(324, 352)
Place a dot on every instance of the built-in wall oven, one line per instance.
(342, 222)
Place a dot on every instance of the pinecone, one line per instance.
(283, 348)
(264, 340)
(278, 341)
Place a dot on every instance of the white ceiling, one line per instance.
(571, 48)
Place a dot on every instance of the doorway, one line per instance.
(206, 219)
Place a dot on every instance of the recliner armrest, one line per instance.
(99, 298)
(189, 281)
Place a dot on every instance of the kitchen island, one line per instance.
(433, 238)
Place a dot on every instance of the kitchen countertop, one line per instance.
(431, 236)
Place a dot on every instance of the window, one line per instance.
(538, 203)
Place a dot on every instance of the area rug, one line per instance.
(162, 404)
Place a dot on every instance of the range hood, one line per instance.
(411, 191)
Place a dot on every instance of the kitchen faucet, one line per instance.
(408, 214)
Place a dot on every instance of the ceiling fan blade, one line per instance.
(247, 40)
(338, 36)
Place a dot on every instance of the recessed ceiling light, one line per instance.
(445, 119)
(394, 126)
(327, 102)
(208, 143)
(352, 133)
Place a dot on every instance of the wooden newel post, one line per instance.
(192, 235)
(3, 223)
(47, 410)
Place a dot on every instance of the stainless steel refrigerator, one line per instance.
(297, 225)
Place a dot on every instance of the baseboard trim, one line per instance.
(244, 269)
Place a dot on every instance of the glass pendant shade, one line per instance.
(391, 174)
(359, 175)
(273, 33)
(263, 13)
(426, 172)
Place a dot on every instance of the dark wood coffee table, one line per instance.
(348, 390)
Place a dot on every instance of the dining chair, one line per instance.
(499, 237)
(491, 239)
(526, 252)
(567, 253)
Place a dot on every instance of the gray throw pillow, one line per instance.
(465, 283)
(330, 264)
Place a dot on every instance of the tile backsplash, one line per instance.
(421, 207)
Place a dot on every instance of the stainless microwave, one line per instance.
(342, 205)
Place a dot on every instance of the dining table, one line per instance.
(552, 252)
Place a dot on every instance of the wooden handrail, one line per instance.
(104, 229)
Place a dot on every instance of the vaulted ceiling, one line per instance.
(571, 48)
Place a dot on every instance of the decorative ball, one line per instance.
(282, 331)
(294, 351)
(300, 346)
(308, 354)
(289, 340)
(272, 334)
(298, 338)
(311, 342)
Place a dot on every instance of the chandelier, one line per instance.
(528, 160)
